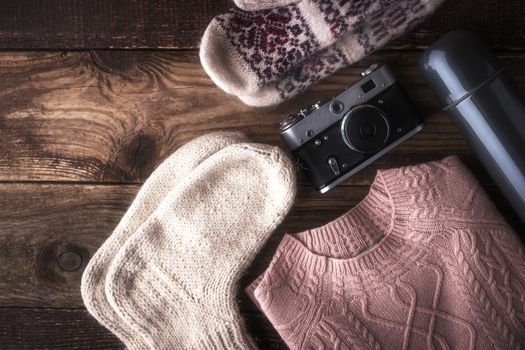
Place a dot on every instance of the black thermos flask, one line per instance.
(486, 105)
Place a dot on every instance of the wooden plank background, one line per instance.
(176, 24)
(81, 130)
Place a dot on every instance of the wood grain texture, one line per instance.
(75, 329)
(77, 24)
(48, 233)
(60, 329)
(113, 116)
(80, 132)
(39, 223)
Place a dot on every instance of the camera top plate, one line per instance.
(377, 78)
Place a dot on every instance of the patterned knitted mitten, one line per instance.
(256, 5)
(261, 62)
(393, 22)
(174, 281)
(168, 175)
(242, 51)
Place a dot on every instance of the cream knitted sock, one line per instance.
(168, 175)
(256, 5)
(393, 22)
(174, 280)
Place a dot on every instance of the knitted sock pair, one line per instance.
(166, 277)
(280, 47)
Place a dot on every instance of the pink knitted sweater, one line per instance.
(423, 262)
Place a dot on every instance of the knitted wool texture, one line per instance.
(348, 49)
(423, 262)
(174, 280)
(168, 175)
(256, 5)
(265, 57)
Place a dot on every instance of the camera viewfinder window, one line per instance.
(368, 86)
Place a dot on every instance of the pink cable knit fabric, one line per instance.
(423, 262)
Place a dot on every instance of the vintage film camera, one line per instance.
(336, 140)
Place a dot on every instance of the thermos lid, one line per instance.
(457, 65)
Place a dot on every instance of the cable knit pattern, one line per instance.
(425, 261)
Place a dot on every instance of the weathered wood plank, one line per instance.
(76, 24)
(48, 232)
(39, 223)
(112, 116)
(47, 235)
(26, 328)
(75, 329)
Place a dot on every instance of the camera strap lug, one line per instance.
(332, 162)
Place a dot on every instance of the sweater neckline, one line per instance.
(375, 229)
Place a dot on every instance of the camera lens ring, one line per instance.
(380, 116)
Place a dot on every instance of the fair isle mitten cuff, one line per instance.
(167, 176)
(242, 51)
(257, 5)
(393, 22)
(175, 280)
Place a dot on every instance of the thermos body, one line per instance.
(485, 104)
(499, 141)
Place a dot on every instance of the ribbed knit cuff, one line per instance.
(227, 337)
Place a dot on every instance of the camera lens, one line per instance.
(365, 129)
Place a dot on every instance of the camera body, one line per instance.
(336, 140)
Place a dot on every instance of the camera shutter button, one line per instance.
(332, 163)
(370, 70)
